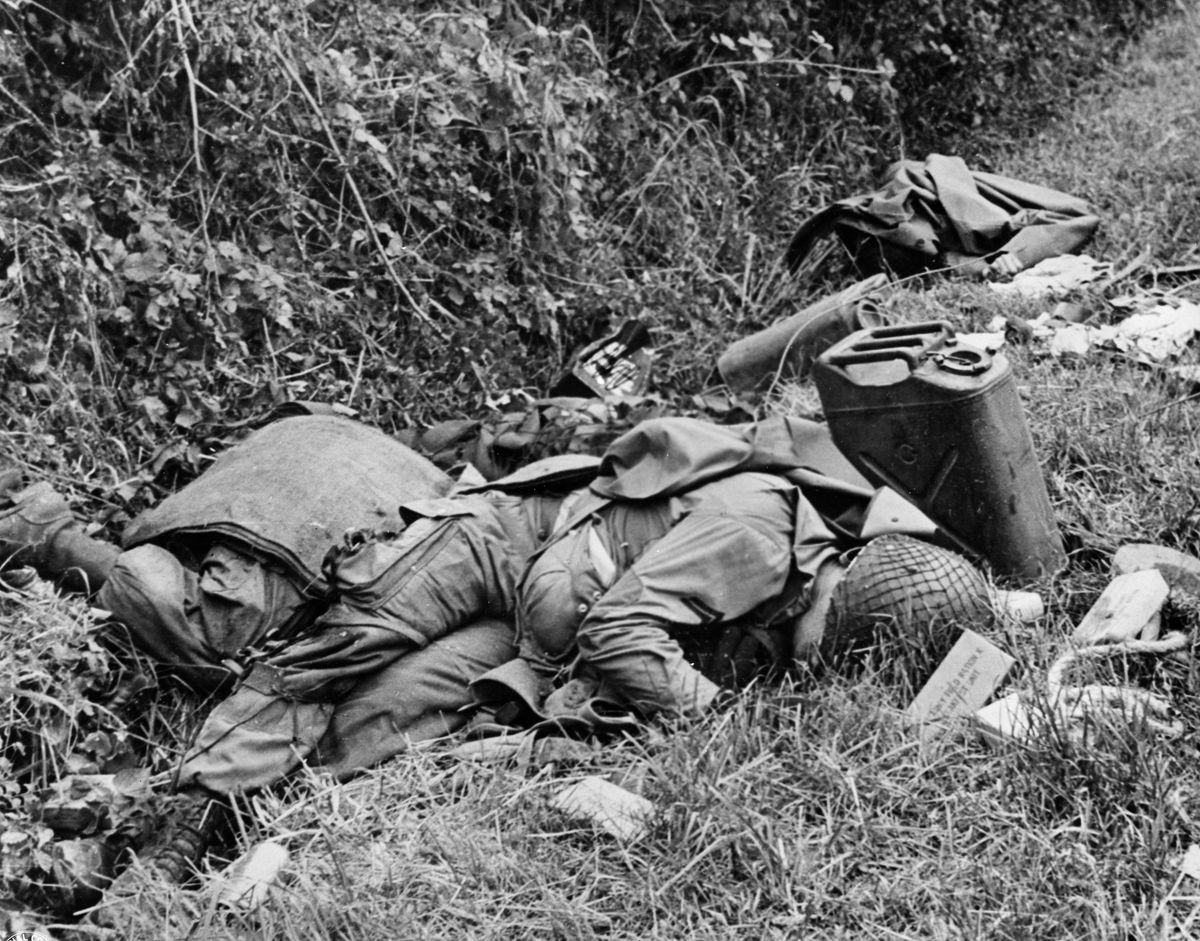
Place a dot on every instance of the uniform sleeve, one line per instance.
(710, 567)
(397, 596)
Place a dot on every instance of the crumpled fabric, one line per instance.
(198, 623)
(1152, 335)
(515, 696)
(290, 490)
(927, 213)
(1055, 277)
(257, 736)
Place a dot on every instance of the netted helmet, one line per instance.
(897, 585)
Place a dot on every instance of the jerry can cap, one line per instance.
(962, 359)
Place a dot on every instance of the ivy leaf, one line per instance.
(363, 136)
(760, 46)
(348, 113)
(840, 89)
(142, 267)
(133, 782)
(76, 107)
(154, 409)
(439, 115)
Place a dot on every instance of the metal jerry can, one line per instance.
(940, 422)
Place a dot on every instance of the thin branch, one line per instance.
(362, 204)
(760, 63)
(179, 7)
(26, 187)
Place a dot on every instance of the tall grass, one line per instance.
(810, 809)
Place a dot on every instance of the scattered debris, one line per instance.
(1069, 312)
(1007, 719)
(1055, 277)
(988, 342)
(90, 804)
(1186, 375)
(1016, 329)
(16, 855)
(961, 684)
(1075, 711)
(613, 365)
(1129, 607)
(1025, 607)
(1180, 570)
(1072, 339)
(1123, 703)
(613, 809)
(1160, 333)
(248, 880)
(1124, 620)
(1158, 330)
(79, 872)
(62, 876)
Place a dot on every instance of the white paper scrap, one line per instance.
(615, 810)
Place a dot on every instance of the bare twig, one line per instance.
(27, 187)
(361, 203)
(180, 9)
(761, 63)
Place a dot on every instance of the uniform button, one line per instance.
(583, 608)
(595, 595)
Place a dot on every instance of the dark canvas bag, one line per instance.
(292, 489)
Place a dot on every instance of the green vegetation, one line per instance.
(412, 210)
(409, 208)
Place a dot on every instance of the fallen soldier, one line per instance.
(696, 555)
(234, 559)
(232, 565)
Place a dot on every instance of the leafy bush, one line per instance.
(411, 208)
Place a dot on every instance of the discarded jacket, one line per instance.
(939, 213)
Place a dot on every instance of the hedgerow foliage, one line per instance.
(408, 208)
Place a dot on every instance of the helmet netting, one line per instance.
(902, 583)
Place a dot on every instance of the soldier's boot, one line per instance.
(173, 854)
(189, 832)
(30, 519)
(38, 530)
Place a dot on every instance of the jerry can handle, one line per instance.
(909, 342)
